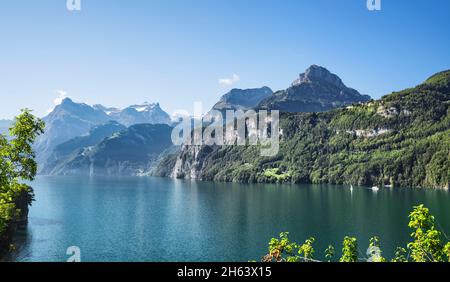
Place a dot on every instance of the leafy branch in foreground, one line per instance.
(427, 245)
(349, 250)
(17, 163)
(329, 253)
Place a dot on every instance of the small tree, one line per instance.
(307, 250)
(349, 250)
(400, 255)
(329, 253)
(447, 251)
(17, 163)
(427, 245)
(282, 250)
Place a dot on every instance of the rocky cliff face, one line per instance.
(190, 163)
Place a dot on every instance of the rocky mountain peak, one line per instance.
(146, 106)
(243, 98)
(318, 74)
(67, 102)
(316, 90)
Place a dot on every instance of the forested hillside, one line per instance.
(403, 139)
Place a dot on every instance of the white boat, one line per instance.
(351, 187)
(375, 188)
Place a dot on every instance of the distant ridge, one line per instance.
(130, 152)
(238, 99)
(69, 120)
(135, 114)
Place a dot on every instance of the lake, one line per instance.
(158, 219)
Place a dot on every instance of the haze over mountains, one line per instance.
(84, 139)
(71, 120)
(135, 114)
(132, 151)
(66, 121)
(66, 151)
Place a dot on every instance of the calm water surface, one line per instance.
(156, 219)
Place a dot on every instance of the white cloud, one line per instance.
(229, 81)
(61, 96)
(180, 114)
(58, 100)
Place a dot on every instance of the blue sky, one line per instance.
(119, 53)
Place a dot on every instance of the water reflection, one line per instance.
(154, 219)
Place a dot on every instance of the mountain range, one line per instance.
(74, 131)
(316, 90)
(135, 114)
(331, 134)
(66, 121)
(66, 151)
(403, 139)
(71, 120)
(133, 151)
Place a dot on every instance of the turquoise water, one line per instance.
(156, 219)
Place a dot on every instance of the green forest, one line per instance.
(403, 139)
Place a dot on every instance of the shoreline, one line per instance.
(20, 222)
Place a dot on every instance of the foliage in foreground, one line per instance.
(17, 164)
(427, 245)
